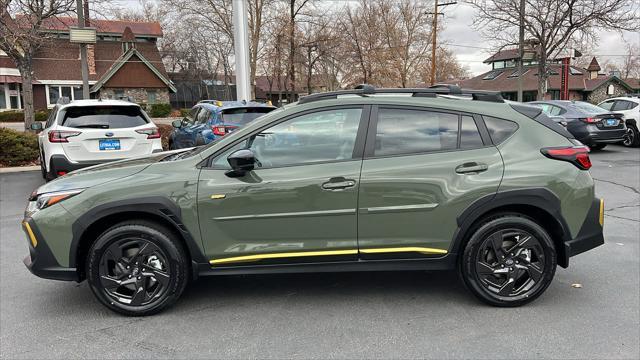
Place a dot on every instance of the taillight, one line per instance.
(222, 130)
(151, 133)
(590, 120)
(60, 136)
(577, 155)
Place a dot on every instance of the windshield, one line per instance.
(588, 108)
(243, 116)
(103, 117)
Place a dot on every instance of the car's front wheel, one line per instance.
(509, 260)
(137, 268)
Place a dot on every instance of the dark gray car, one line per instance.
(590, 124)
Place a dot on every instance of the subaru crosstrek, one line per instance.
(416, 179)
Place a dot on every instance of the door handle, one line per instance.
(338, 183)
(471, 167)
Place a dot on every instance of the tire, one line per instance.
(597, 147)
(632, 138)
(137, 268)
(43, 166)
(509, 276)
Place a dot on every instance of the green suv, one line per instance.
(357, 180)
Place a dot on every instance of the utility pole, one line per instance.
(241, 42)
(310, 48)
(83, 53)
(434, 41)
(521, 50)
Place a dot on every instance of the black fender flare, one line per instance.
(631, 122)
(157, 206)
(540, 198)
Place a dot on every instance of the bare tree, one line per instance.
(553, 23)
(21, 35)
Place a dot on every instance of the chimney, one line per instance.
(128, 39)
(91, 58)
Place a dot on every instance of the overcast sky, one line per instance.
(468, 45)
(471, 49)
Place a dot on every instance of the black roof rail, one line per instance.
(433, 91)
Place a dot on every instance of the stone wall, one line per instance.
(139, 95)
(600, 94)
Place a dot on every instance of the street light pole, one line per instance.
(241, 42)
(83, 53)
(521, 50)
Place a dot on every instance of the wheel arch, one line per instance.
(538, 203)
(94, 222)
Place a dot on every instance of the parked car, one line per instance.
(432, 181)
(629, 107)
(590, 124)
(210, 121)
(84, 133)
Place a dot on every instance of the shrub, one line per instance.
(18, 116)
(185, 112)
(18, 148)
(165, 131)
(160, 110)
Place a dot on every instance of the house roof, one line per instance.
(506, 54)
(593, 65)
(122, 60)
(578, 80)
(139, 28)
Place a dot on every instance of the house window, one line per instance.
(55, 92)
(151, 96)
(498, 65)
(3, 99)
(555, 94)
(118, 94)
(14, 96)
(610, 89)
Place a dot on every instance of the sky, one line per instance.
(469, 46)
(471, 49)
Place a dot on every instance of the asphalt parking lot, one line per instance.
(359, 315)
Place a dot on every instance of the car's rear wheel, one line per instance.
(137, 268)
(509, 260)
(597, 147)
(632, 137)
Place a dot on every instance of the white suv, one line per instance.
(89, 132)
(629, 107)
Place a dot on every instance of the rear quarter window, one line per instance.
(103, 117)
(499, 129)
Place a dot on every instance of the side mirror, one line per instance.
(242, 161)
(37, 126)
(176, 124)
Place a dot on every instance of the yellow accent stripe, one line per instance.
(422, 250)
(32, 237)
(218, 196)
(601, 212)
(257, 257)
(282, 255)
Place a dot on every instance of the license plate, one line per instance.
(109, 144)
(611, 122)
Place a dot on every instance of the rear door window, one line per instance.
(203, 116)
(469, 135)
(404, 131)
(243, 116)
(103, 117)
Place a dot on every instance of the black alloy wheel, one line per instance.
(509, 261)
(137, 268)
(631, 138)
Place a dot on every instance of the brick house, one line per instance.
(584, 84)
(125, 62)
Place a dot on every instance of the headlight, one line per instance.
(42, 201)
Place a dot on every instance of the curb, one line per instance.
(18, 169)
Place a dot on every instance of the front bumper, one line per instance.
(40, 260)
(590, 234)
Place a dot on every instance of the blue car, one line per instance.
(210, 120)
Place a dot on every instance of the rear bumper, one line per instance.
(603, 136)
(590, 234)
(40, 260)
(61, 163)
